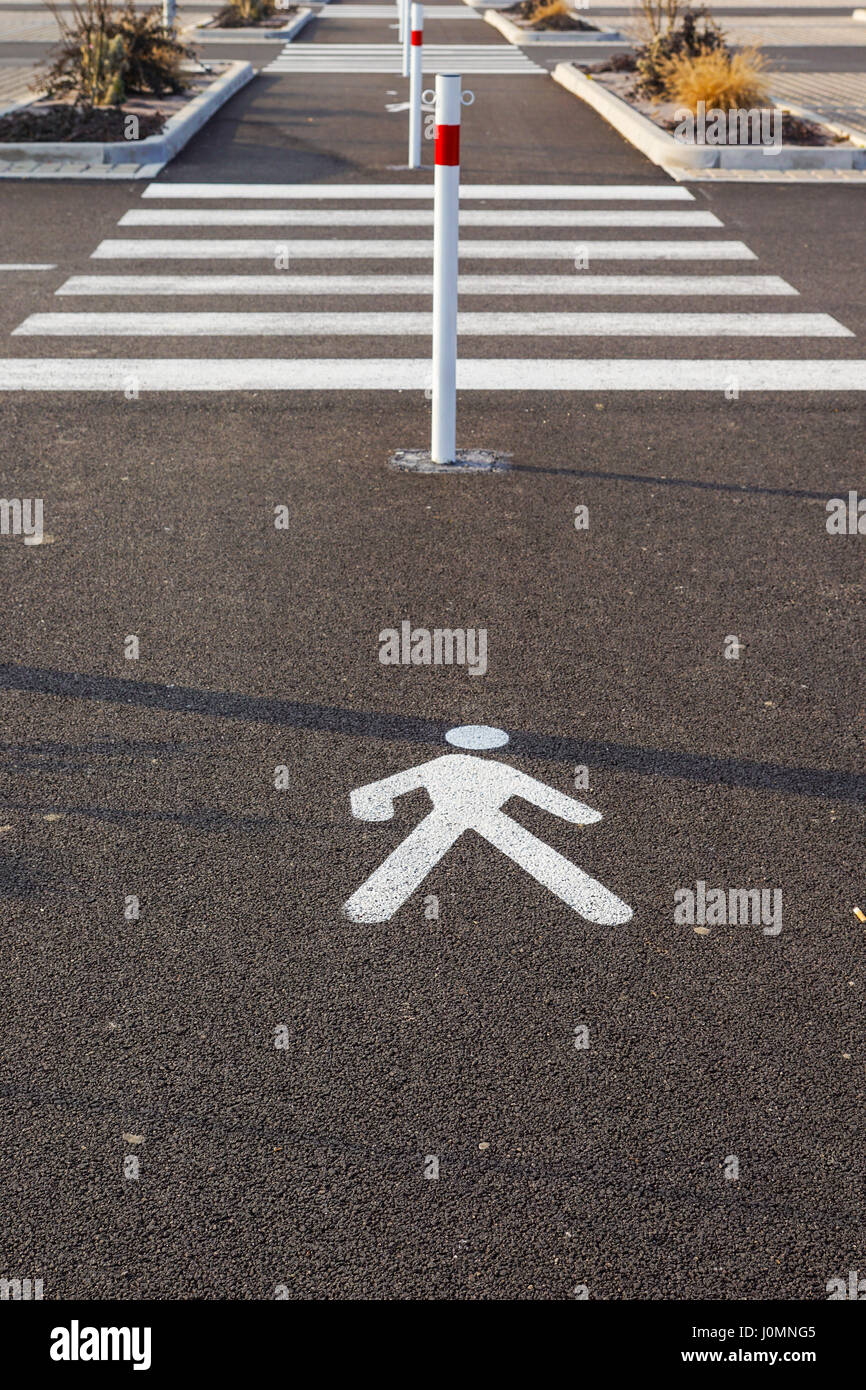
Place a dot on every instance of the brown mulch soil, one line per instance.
(563, 22)
(795, 131)
(620, 62)
(65, 122)
(525, 9)
(230, 19)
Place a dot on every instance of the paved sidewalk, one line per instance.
(837, 97)
(771, 26)
(15, 84)
(34, 23)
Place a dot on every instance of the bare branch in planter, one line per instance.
(659, 15)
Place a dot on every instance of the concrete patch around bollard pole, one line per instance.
(464, 461)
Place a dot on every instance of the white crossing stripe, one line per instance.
(411, 217)
(390, 12)
(414, 374)
(282, 283)
(196, 249)
(500, 325)
(387, 58)
(499, 192)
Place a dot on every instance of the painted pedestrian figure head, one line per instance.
(476, 736)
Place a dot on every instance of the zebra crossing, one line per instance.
(536, 287)
(466, 59)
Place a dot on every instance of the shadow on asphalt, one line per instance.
(832, 784)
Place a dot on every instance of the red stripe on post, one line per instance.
(417, 38)
(446, 149)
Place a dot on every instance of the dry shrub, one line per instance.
(693, 32)
(723, 81)
(546, 9)
(105, 53)
(237, 13)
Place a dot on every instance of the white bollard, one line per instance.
(416, 66)
(446, 204)
(169, 11)
(406, 35)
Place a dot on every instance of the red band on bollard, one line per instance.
(417, 38)
(446, 149)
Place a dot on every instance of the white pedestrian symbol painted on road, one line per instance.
(468, 793)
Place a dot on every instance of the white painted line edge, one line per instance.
(283, 283)
(396, 374)
(499, 191)
(331, 248)
(499, 325)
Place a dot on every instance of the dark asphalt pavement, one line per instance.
(303, 1166)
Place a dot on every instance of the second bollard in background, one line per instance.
(416, 65)
(404, 35)
(446, 196)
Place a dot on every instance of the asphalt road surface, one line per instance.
(620, 1111)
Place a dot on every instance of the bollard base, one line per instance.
(466, 461)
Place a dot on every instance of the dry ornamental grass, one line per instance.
(722, 81)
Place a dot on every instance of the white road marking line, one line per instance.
(530, 192)
(32, 266)
(391, 67)
(282, 283)
(389, 11)
(326, 249)
(396, 374)
(410, 217)
(500, 325)
(332, 58)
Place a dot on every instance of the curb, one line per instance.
(155, 149)
(514, 34)
(671, 155)
(287, 33)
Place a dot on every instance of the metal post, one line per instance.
(416, 65)
(446, 202)
(169, 11)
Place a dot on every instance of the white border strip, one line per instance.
(489, 325)
(551, 192)
(414, 217)
(396, 374)
(407, 249)
(283, 283)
